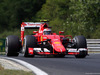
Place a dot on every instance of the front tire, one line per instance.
(80, 42)
(29, 41)
(12, 45)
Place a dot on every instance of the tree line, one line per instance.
(74, 17)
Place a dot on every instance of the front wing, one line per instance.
(45, 51)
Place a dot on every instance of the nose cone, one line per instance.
(58, 47)
(60, 50)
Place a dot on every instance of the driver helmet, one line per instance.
(47, 31)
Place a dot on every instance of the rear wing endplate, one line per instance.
(29, 25)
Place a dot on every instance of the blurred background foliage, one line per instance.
(75, 17)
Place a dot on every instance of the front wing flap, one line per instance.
(75, 51)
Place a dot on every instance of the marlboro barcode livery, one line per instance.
(45, 42)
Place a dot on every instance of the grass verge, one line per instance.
(13, 72)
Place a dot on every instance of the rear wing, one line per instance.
(31, 25)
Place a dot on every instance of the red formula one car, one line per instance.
(45, 42)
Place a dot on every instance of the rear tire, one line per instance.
(29, 41)
(12, 45)
(80, 42)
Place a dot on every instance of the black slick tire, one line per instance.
(12, 45)
(29, 41)
(80, 42)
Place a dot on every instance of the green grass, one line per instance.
(13, 72)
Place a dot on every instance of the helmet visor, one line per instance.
(47, 32)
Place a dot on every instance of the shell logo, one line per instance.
(56, 42)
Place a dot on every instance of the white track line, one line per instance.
(36, 70)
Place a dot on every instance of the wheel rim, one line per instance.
(24, 48)
(74, 40)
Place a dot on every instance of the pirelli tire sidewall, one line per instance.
(12, 45)
(29, 41)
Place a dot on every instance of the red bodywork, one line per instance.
(54, 40)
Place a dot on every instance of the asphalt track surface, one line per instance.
(66, 66)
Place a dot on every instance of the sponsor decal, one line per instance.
(44, 37)
(75, 50)
(22, 28)
(72, 50)
(30, 50)
(56, 42)
(55, 39)
(41, 38)
(40, 50)
(82, 49)
(59, 46)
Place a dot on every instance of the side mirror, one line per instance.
(35, 31)
(61, 32)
